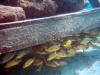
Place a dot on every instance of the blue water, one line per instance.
(87, 63)
(88, 7)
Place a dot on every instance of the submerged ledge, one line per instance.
(22, 34)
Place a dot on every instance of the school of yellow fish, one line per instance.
(53, 54)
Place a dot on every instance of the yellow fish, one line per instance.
(39, 68)
(22, 53)
(38, 62)
(85, 41)
(60, 55)
(67, 43)
(52, 56)
(53, 48)
(12, 63)
(62, 63)
(71, 52)
(28, 62)
(56, 55)
(42, 53)
(81, 48)
(8, 57)
(53, 64)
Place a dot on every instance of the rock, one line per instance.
(42, 8)
(67, 6)
(9, 2)
(34, 8)
(38, 8)
(9, 14)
